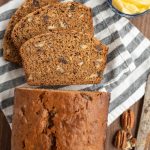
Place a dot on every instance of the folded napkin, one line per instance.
(128, 63)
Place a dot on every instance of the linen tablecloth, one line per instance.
(128, 63)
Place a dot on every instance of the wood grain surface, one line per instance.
(143, 24)
(5, 133)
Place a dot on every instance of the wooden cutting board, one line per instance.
(143, 138)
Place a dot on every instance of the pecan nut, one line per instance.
(130, 144)
(120, 141)
(127, 120)
(133, 142)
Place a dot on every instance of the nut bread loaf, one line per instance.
(10, 52)
(63, 57)
(59, 120)
(71, 15)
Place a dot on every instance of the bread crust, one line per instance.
(69, 120)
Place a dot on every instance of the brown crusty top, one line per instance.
(59, 120)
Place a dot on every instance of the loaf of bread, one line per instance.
(59, 120)
(63, 57)
(10, 52)
(71, 15)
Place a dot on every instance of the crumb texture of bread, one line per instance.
(70, 15)
(10, 52)
(63, 57)
(59, 120)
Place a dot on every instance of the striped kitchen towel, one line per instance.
(128, 63)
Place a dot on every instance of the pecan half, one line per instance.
(120, 141)
(127, 120)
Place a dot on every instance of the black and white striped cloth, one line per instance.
(128, 63)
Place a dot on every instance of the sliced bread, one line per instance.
(71, 15)
(63, 57)
(10, 52)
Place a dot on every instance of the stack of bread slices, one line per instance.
(55, 43)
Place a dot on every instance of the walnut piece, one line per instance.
(51, 27)
(81, 16)
(80, 63)
(83, 46)
(62, 24)
(39, 44)
(30, 19)
(94, 75)
(69, 15)
(60, 69)
(97, 63)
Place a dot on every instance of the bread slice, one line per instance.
(10, 52)
(63, 57)
(71, 15)
(59, 120)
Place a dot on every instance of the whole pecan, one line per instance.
(127, 120)
(120, 140)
